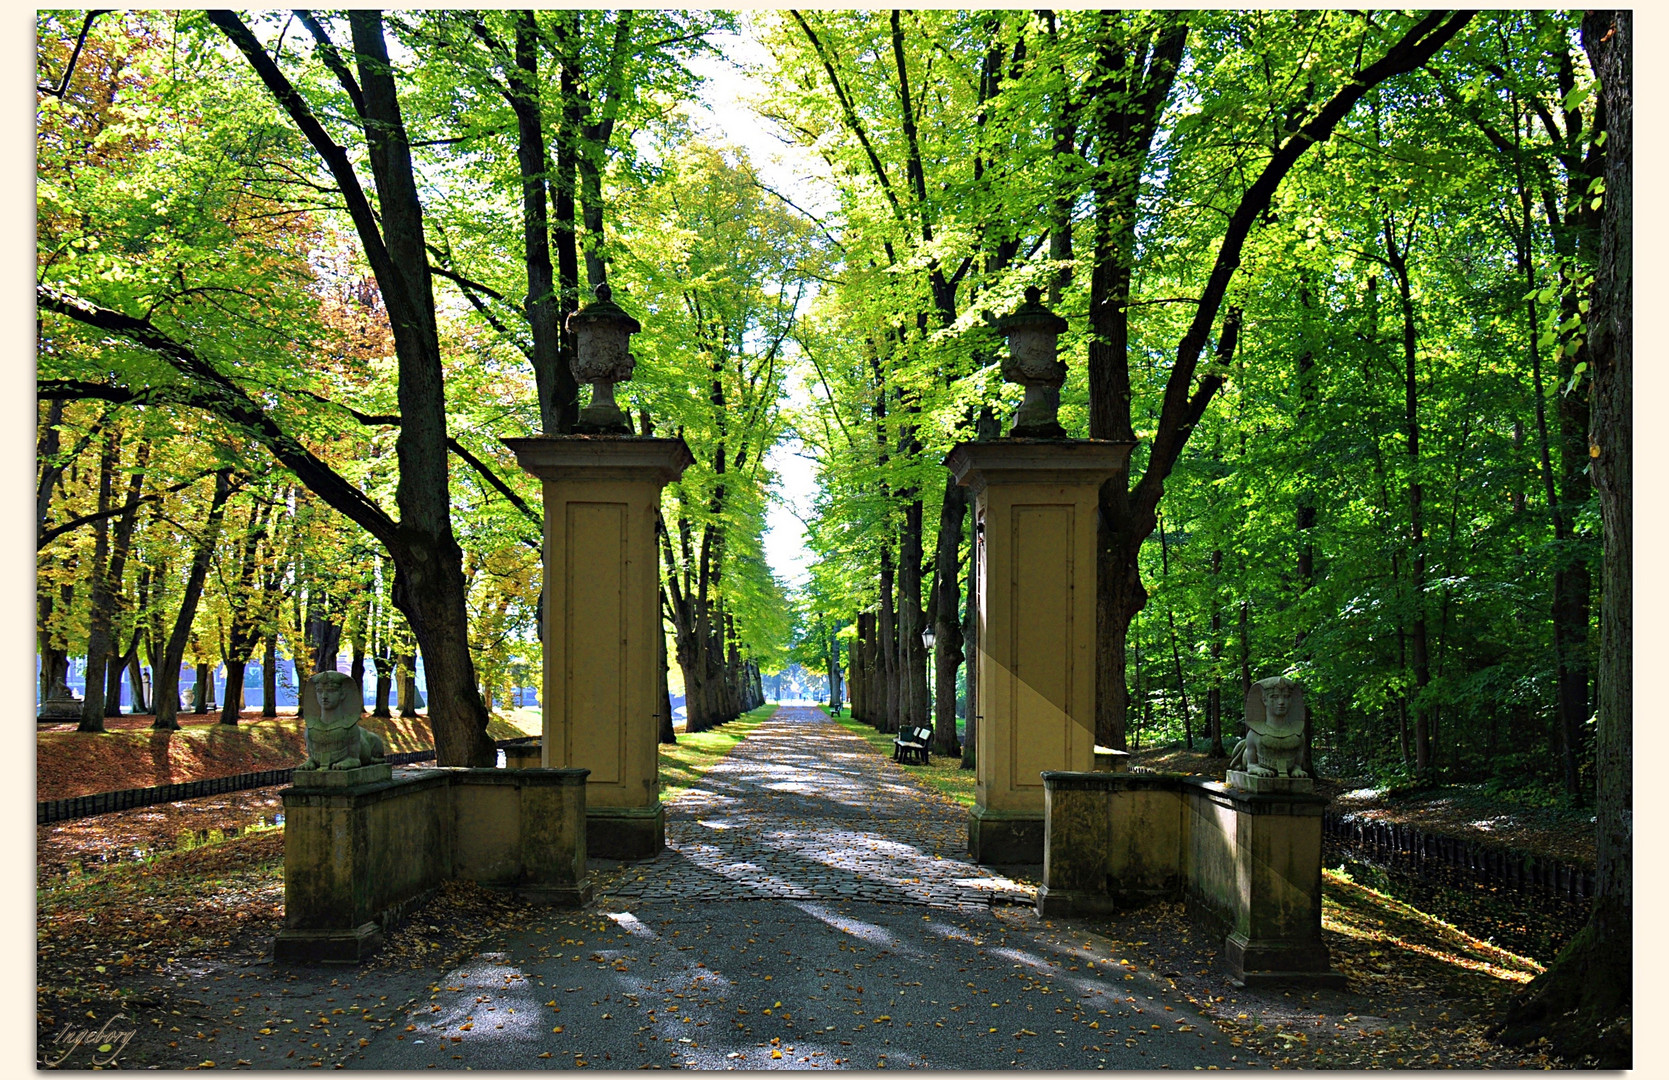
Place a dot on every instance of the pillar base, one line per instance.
(1004, 838)
(626, 832)
(558, 896)
(1064, 903)
(1266, 962)
(327, 946)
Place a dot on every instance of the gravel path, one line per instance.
(803, 809)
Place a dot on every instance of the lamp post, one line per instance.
(927, 640)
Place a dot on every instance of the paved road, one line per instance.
(815, 909)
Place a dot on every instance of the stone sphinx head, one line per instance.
(1275, 705)
(339, 703)
(1277, 698)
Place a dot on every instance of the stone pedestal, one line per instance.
(1270, 785)
(1035, 517)
(341, 778)
(60, 707)
(525, 756)
(601, 698)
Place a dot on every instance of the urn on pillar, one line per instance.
(602, 333)
(1032, 363)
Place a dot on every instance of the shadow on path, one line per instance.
(803, 809)
(869, 941)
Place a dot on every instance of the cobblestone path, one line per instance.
(803, 809)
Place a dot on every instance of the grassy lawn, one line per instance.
(944, 774)
(527, 720)
(683, 763)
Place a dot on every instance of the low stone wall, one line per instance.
(1249, 862)
(357, 855)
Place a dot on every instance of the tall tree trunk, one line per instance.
(429, 586)
(565, 34)
(1419, 646)
(1176, 655)
(1125, 127)
(665, 735)
(136, 680)
(1214, 696)
(249, 608)
(382, 655)
(231, 705)
(836, 691)
(912, 650)
(121, 545)
(557, 391)
(946, 616)
(887, 636)
(1126, 97)
(385, 682)
(1304, 504)
(202, 692)
(269, 675)
(101, 603)
(862, 681)
(407, 681)
(1584, 1001)
(167, 688)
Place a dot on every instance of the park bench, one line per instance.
(910, 745)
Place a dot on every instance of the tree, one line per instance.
(1584, 1000)
(1129, 515)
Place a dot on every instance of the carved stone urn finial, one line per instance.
(1032, 332)
(602, 331)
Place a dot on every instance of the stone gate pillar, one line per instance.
(601, 702)
(1035, 504)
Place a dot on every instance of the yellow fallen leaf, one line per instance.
(776, 1053)
(557, 1030)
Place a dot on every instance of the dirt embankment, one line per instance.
(131, 755)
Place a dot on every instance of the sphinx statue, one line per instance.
(1274, 742)
(335, 740)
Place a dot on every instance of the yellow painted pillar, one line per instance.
(601, 701)
(1035, 505)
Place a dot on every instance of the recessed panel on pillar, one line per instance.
(594, 679)
(1041, 646)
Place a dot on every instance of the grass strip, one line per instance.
(684, 762)
(943, 774)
